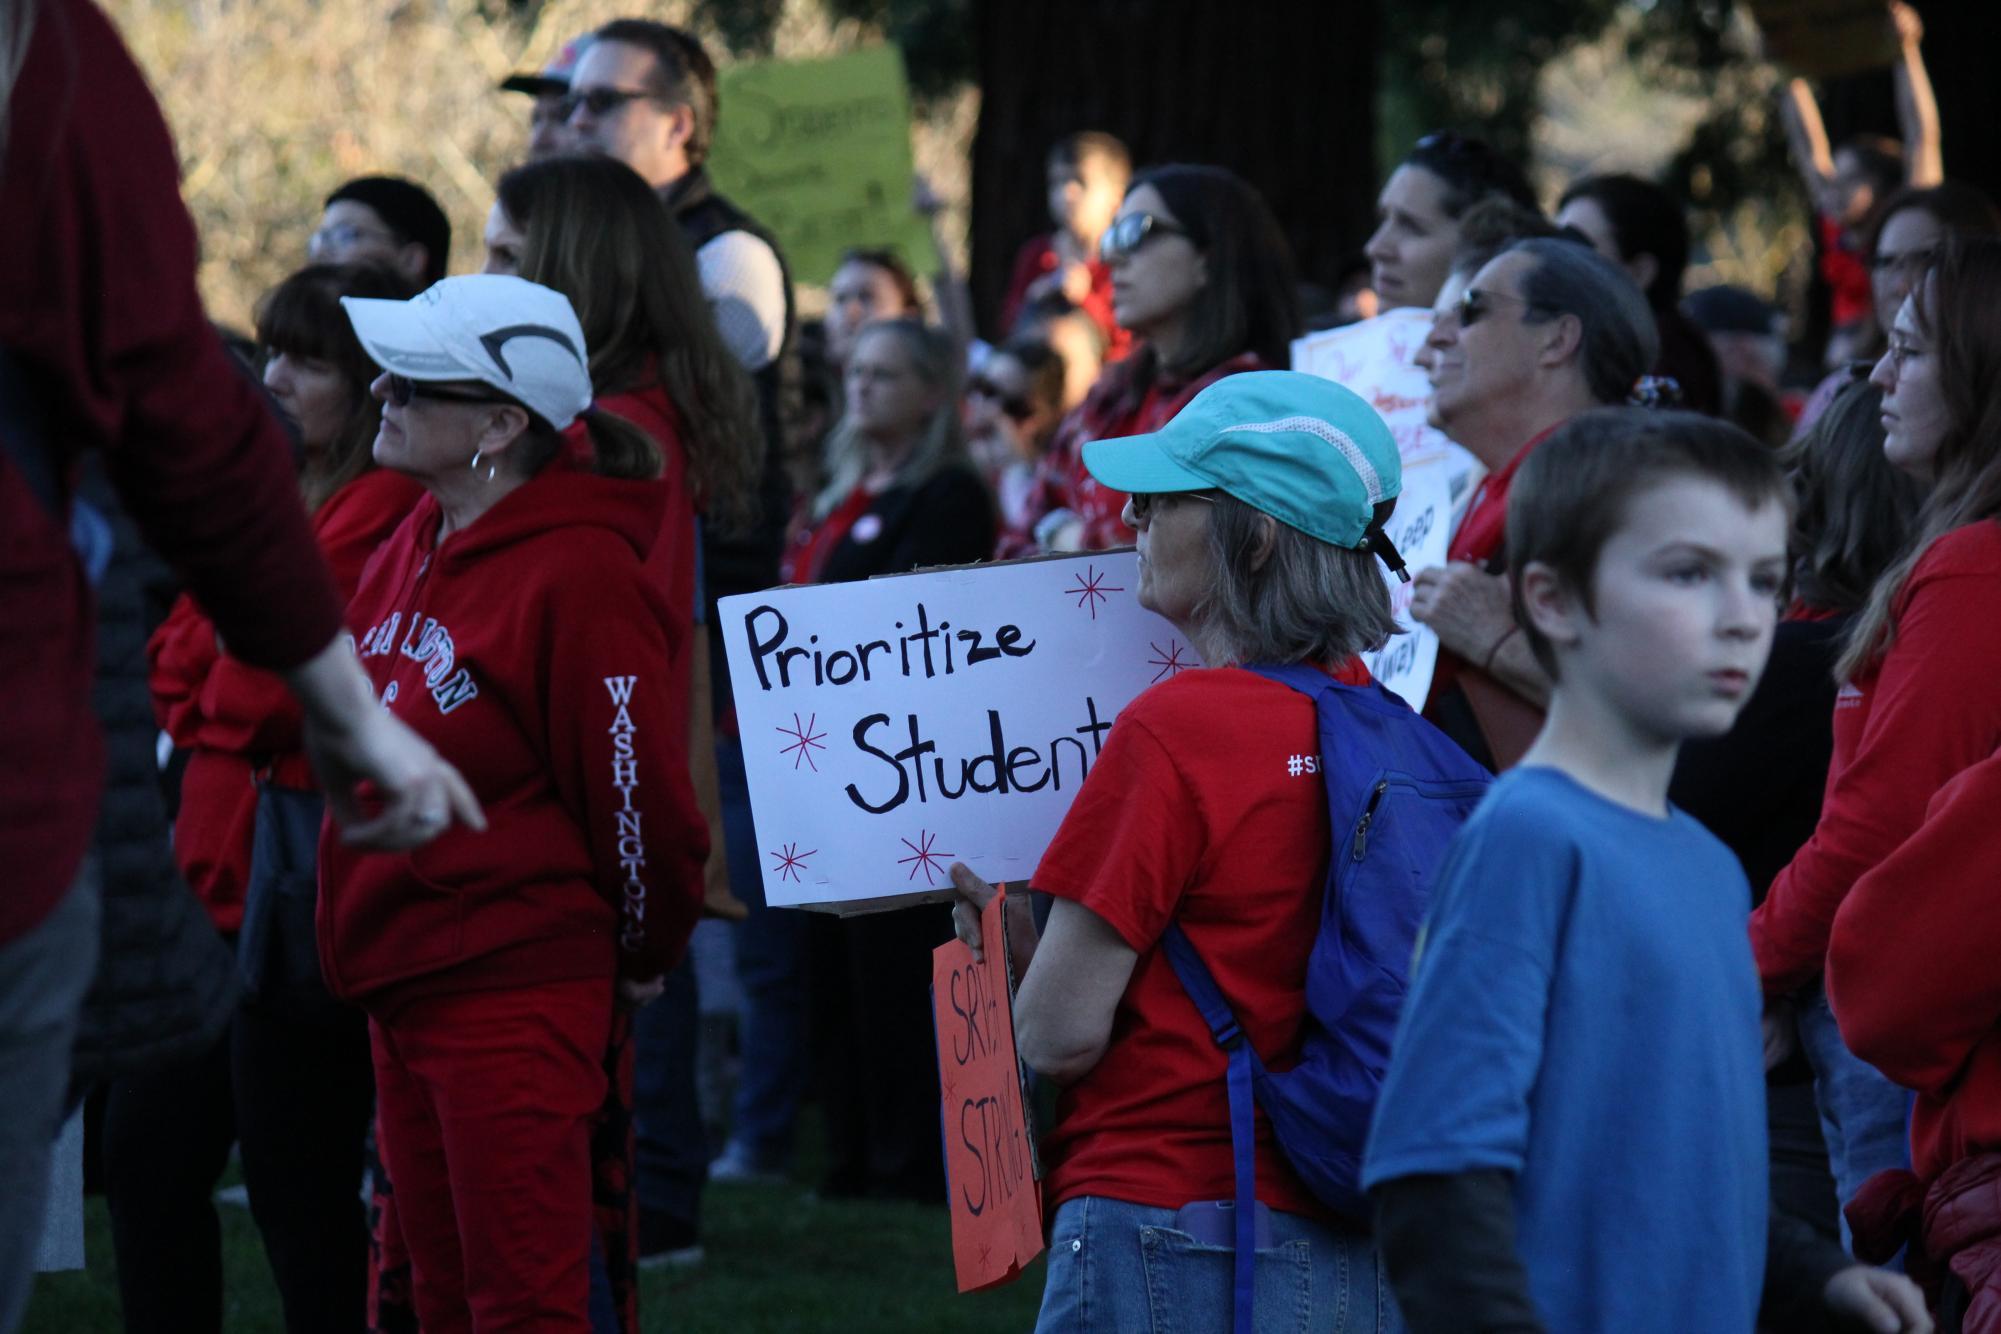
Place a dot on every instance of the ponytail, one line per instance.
(620, 449)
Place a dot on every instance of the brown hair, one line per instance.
(594, 231)
(1853, 511)
(1958, 309)
(302, 317)
(1250, 302)
(618, 448)
(1573, 491)
(682, 73)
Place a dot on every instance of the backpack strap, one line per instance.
(1201, 987)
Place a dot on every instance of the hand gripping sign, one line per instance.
(895, 726)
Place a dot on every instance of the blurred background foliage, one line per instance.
(274, 102)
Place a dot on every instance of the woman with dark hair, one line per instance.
(589, 227)
(1759, 787)
(1638, 224)
(1914, 709)
(294, 1079)
(513, 620)
(1446, 174)
(1202, 277)
(869, 285)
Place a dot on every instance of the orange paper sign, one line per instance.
(989, 1142)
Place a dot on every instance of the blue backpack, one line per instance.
(1397, 791)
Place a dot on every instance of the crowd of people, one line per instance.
(1636, 978)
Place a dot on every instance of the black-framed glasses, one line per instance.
(1020, 409)
(1146, 504)
(1475, 304)
(1127, 234)
(402, 389)
(600, 101)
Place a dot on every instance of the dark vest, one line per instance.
(745, 562)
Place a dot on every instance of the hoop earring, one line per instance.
(492, 469)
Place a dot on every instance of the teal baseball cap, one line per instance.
(1307, 451)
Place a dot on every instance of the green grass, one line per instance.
(778, 1260)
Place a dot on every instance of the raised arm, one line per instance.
(1917, 108)
(1806, 137)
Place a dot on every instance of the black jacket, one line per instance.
(166, 983)
(947, 519)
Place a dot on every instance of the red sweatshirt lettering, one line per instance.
(536, 651)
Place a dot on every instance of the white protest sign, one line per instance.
(1421, 529)
(895, 726)
(1376, 359)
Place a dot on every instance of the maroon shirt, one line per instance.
(98, 308)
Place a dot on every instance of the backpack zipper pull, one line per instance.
(1368, 816)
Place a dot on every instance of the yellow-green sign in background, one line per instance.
(819, 152)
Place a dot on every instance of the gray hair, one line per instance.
(935, 359)
(1620, 341)
(1310, 601)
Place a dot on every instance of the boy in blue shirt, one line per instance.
(1572, 1135)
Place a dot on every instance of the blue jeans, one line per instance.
(771, 969)
(1120, 1267)
(1864, 1117)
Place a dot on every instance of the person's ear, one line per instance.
(678, 125)
(413, 261)
(1552, 606)
(1562, 342)
(1644, 268)
(505, 425)
(1267, 539)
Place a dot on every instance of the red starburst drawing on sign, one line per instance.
(921, 855)
(1168, 659)
(1091, 589)
(791, 861)
(804, 741)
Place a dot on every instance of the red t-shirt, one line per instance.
(1901, 732)
(1193, 814)
(1481, 539)
(1846, 274)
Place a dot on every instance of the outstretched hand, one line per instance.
(351, 741)
(1862, 1297)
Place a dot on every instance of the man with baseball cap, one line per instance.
(384, 220)
(548, 132)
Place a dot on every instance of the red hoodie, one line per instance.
(1901, 733)
(237, 719)
(1911, 971)
(533, 649)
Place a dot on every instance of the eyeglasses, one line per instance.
(402, 389)
(1127, 234)
(341, 234)
(1148, 503)
(600, 101)
(1020, 409)
(1475, 304)
(1908, 261)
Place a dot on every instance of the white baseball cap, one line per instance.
(520, 337)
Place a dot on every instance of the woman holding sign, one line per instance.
(1204, 826)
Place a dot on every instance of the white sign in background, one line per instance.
(895, 726)
(1376, 359)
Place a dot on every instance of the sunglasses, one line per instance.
(1146, 504)
(1020, 409)
(1127, 234)
(599, 101)
(402, 389)
(1475, 305)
